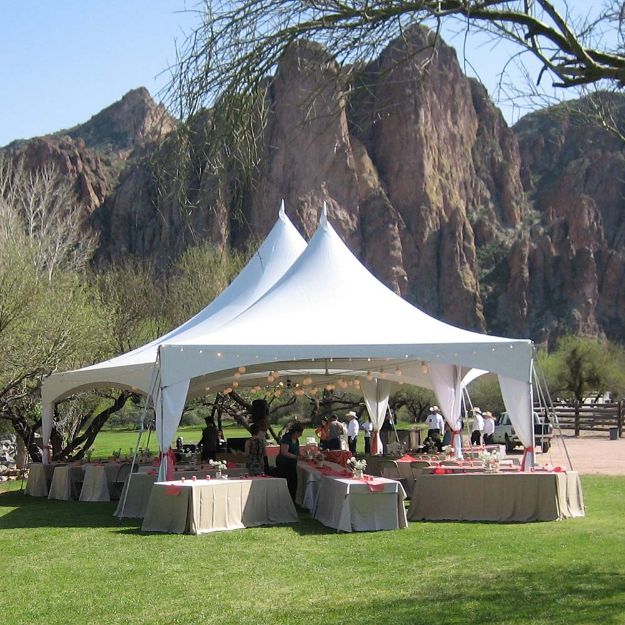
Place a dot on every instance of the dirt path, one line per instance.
(590, 454)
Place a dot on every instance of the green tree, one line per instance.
(582, 366)
(486, 394)
(200, 274)
(49, 317)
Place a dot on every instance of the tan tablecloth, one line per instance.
(136, 502)
(502, 497)
(135, 496)
(208, 506)
(348, 505)
(38, 477)
(95, 484)
(66, 482)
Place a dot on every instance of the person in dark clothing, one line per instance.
(210, 440)
(286, 461)
(335, 429)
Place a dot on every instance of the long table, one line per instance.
(39, 479)
(202, 506)
(133, 501)
(347, 504)
(503, 497)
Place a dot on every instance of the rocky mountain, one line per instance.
(93, 155)
(511, 231)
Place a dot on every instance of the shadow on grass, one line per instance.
(32, 512)
(578, 596)
(306, 526)
(18, 510)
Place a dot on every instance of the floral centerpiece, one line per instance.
(490, 460)
(219, 466)
(395, 448)
(357, 467)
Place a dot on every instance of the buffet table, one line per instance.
(503, 497)
(66, 482)
(133, 501)
(348, 504)
(99, 480)
(39, 476)
(202, 506)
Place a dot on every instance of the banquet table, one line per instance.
(348, 504)
(202, 506)
(39, 476)
(135, 496)
(66, 482)
(99, 479)
(504, 497)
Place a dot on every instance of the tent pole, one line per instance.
(544, 398)
(132, 466)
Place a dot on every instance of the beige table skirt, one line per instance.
(133, 501)
(503, 497)
(135, 496)
(95, 485)
(38, 477)
(66, 482)
(206, 506)
(349, 506)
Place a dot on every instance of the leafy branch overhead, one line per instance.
(237, 45)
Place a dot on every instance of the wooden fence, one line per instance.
(589, 417)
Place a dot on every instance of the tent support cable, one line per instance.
(141, 430)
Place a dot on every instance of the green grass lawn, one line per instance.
(67, 562)
(109, 440)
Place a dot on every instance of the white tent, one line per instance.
(136, 370)
(329, 316)
(326, 318)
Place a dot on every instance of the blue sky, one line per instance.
(62, 61)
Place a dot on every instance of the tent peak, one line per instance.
(282, 211)
(323, 219)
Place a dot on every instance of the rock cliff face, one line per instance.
(513, 231)
(573, 173)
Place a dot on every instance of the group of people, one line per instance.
(331, 430)
(439, 432)
(483, 427)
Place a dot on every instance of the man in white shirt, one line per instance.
(367, 427)
(489, 427)
(435, 423)
(352, 431)
(478, 427)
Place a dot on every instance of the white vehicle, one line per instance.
(504, 433)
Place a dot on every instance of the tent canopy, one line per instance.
(317, 315)
(328, 316)
(134, 369)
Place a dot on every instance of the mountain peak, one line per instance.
(133, 120)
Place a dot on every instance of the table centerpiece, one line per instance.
(357, 467)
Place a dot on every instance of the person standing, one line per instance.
(435, 423)
(367, 427)
(335, 429)
(210, 440)
(286, 461)
(478, 427)
(353, 427)
(489, 427)
(322, 433)
(255, 449)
